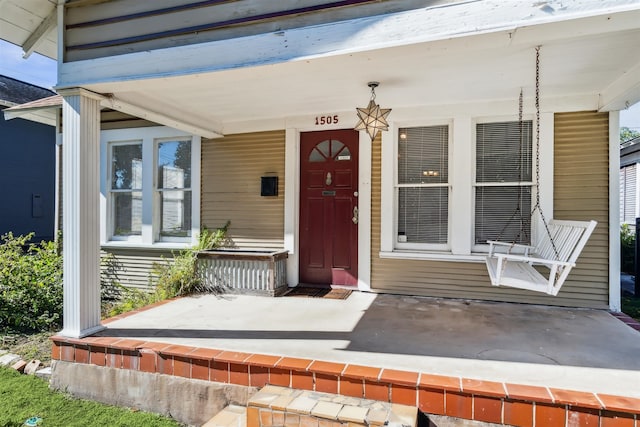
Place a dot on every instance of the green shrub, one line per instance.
(174, 276)
(110, 287)
(30, 284)
(129, 300)
(114, 297)
(179, 276)
(627, 252)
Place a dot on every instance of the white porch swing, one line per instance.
(558, 247)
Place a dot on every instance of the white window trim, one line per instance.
(149, 136)
(461, 180)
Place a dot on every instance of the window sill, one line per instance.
(160, 246)
(433, 256)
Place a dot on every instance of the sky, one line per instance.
(37, 69)
(41, 71)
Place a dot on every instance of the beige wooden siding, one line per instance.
(101, 29)
(581, 181)
(134, 265)
(581, 192)
(231, 170)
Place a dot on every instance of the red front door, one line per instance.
(329, 207)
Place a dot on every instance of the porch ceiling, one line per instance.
(586, 72)
(30, 24)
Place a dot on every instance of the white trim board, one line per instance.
(614, 209)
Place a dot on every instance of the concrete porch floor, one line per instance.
(575, 349)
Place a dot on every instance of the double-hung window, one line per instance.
(447, 189)
(503, 182)
(151, 186)
(422, 187)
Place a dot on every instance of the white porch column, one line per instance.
(81, 213)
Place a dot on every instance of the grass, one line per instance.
(631, 306)
(25, 396)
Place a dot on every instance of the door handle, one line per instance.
(355, 215)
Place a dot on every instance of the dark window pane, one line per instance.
(423, 155)
(127, 215)
(503, 152)
(175, 211)
(423, 214)
(174, 164)
(498, 217)
(126, 167)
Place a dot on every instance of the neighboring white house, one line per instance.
(629, 189)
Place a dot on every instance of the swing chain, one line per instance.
(518, 211)
(537, 206)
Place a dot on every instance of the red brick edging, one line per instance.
(514, 404)
(626, 319)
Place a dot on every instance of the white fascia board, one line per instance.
(443, 22)
(47, 117)
(623, 92)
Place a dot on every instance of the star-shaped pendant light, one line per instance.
(373, 119)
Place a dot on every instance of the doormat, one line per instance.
(312, 292)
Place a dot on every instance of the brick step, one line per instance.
(328, 411)
(282, 406)
(231, 416)
(429, 420)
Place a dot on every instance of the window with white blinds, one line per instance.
(422, 187)
(503, 183)
(628, 194)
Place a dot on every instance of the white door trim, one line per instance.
(292, 205)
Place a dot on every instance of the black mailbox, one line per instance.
(269, 186)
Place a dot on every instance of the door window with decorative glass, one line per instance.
(422, 187)
(503, 183)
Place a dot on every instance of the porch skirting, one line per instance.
(252, 272)
(495, 402)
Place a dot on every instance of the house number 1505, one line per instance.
(327, 120)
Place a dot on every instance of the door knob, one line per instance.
(355, 215)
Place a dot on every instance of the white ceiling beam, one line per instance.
(160, 118)
(40, 33)
(623, 92)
